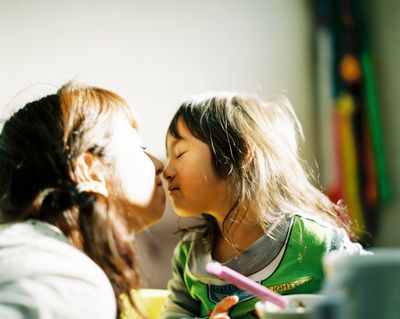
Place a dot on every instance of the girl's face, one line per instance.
(137, 175)
(193, 186)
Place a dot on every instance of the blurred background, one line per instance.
(336, 60)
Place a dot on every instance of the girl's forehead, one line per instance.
(179, 130)
(183, 134)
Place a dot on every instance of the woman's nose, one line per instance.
(157, 164)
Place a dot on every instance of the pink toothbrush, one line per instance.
(246, 284)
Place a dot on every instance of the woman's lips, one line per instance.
(158, 182)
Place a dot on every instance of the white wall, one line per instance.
(153, 53)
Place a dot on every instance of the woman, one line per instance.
(74, 177)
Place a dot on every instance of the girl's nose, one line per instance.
(157, 164)
(167, 174)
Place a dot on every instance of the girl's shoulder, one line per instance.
(316, 225)
(336, 238)
(313, 220)
(309, 229)
(314, 230)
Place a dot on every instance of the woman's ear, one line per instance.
(89, 175)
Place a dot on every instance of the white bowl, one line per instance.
(300, 307)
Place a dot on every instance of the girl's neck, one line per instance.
(245, 231)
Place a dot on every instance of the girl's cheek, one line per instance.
(184, 172)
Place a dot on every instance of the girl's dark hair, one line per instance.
(38, 148)
(255, 144)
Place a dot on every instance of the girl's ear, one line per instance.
(89, 175)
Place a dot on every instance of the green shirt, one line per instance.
(291, 264)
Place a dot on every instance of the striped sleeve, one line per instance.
(180, 304)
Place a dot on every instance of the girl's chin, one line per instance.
(185, 213)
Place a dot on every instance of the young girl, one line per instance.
(75, 186)
(234, 159)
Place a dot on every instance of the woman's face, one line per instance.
(137, 175)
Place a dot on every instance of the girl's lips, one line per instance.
(171, 189)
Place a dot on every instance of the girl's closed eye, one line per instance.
(180, 154)
(179, 150)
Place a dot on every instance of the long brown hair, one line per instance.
(255, 144)
(38, 148)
